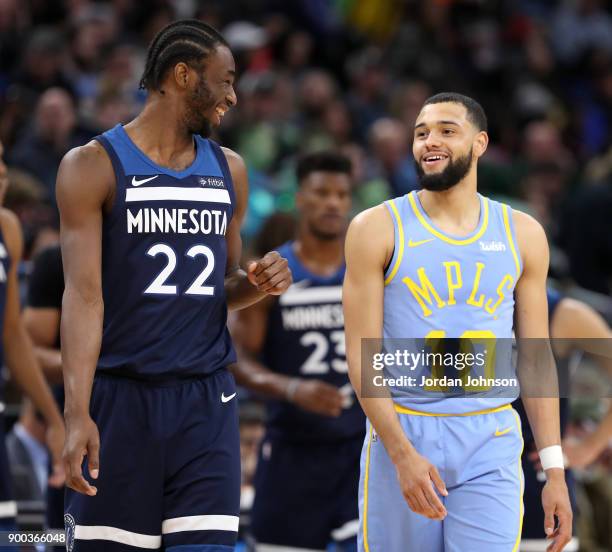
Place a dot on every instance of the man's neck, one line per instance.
(159, 132)
(457, 207)
(321, 257)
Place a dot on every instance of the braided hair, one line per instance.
(187, 40)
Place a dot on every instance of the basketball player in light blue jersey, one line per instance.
(443, 473)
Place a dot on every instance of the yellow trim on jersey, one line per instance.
(521, 483)
(403, 410)
(400, 250)
(365, 492)
(453, 241)
(511, 241)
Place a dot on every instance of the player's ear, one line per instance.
(181, 74)
(481, 141)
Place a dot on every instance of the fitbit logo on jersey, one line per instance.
(212, 181)
(176, 221)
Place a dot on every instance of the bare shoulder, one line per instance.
(231, 155)
(371, 232)
(374, 218)
(530, 235)
(526, 226)
(238, 171)
(373, 224)
(234, 160)
(86, 171)
(575, 319)
(11, 232)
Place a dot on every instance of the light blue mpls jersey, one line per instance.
(440, 287)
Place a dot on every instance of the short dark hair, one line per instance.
(325, 161)
(475, 112)
(187, 40)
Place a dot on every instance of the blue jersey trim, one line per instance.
(131, 167)
(227, 174)
(117, 169)
(300, 272)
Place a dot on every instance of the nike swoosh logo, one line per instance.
(136, 182)
(499, 433)
(417, 243)
(225, 399)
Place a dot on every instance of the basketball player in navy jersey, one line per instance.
(442, 471)
(150, 235)
(293, 352)
(16, 352)
(572, 324)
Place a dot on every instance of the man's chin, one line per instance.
(327, 234)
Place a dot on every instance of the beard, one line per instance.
(199, 102)
(452, 174)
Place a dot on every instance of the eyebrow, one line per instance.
(438, 123)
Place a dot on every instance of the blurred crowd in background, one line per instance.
(344, 74)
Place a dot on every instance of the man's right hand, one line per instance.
(417, 478)
(318, 397)
(82, 439)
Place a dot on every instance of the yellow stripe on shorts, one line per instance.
(403, 410)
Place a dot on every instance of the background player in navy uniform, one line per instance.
(572, 322)
(308, 468)
(17, 353)
(150, 236)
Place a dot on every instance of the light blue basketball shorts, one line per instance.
(479, 459)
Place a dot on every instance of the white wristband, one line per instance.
(292, 388)
(551, 457)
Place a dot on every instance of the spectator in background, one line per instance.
(54, 132)
(92, 31)
(28, 455)
(579, 26)
(391, 156)
(367, 96)
(406, 102)
(260, 131)
(316, 91)
(586, 236)
(543, 187)
(542, 143)
(40, 68)
(369, 189)
(41, 65)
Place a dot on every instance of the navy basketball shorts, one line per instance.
(306, 495)
(534, 539)
(169, 468)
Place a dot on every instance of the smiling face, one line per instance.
(446, 145)
(211, 92)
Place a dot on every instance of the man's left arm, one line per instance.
(19, 353)
(531, 322)
(269, 275)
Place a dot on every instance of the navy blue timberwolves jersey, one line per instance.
(163, 263)
(305, 339)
